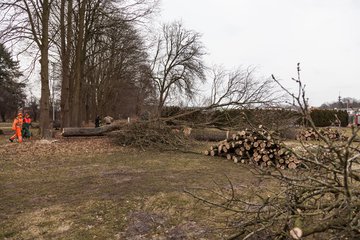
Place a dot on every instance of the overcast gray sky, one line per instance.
(274, 35)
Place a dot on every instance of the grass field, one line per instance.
(86, 188)
(5, 126)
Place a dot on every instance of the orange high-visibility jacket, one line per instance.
(18, 122)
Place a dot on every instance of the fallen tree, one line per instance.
(88, 132)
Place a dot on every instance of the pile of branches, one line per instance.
(254, 147)
(152, 135)
(311, 135)
(320, 201)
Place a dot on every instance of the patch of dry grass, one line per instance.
(82, 188)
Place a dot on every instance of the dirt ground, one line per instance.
(90, 188)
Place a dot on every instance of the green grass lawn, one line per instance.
(85, 188)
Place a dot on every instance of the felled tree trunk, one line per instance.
(88, 132)
(208, 134)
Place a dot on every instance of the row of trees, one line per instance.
(347, 102)
(96, 44)
(107, 66)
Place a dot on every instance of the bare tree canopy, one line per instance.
(177, 63)
(241, 88)
(103, 58)
(233, 89)
(84, 36)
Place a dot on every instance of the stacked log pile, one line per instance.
(311, 135)
(254, 147)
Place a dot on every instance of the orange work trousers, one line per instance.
(17, 135)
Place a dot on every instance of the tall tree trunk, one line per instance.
(44, 72)
(66, 37)
(75, 111)
(161, 104)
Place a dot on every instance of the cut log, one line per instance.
(213, 152)
(224, 149)
(234, 136)
(292, 165)
(227, 145)
(209, 134)
(238, 151)
(247, 146)
(87, 132)
(331, 133)
(265, 158)
(297, 161)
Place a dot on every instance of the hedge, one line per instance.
(272, 118)
(325, 118)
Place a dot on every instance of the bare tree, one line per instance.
(236, 89)
(29, 20)
(119, 71)
(71, 29)
(66, 36)
(78, 65)
(94, 37)
(177, 62)
(241, 88)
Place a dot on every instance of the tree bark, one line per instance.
(66, 37)
(75, 111)
(44, 72)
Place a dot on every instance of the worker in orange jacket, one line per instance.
(26, 126)
(17, 127)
